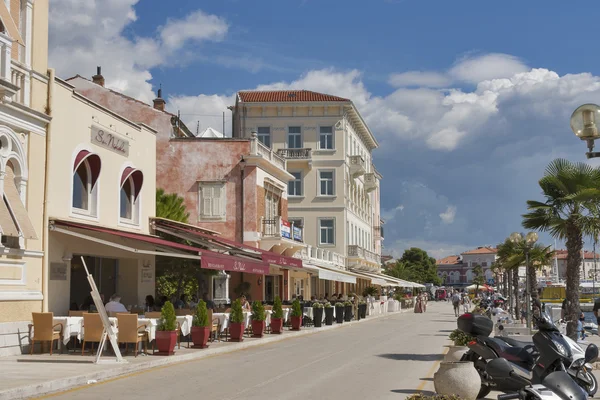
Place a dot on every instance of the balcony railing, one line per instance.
(280, 228)
(370, 182)
(359, 252)
(378, 231)
(357, 166)
(324, 255)
(295, 154)
(12, 80)
(257, 148)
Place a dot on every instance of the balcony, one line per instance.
(360, 258)
(268, 160)
(11, 79)
(322, 257)
(378, 231)
(281, 236)
(370, 182)
(296, 156)
(357, 166)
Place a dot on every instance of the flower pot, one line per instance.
(318, 317)
(276, 325)
(165, 342)
(258, 328)
(339, 315)
(362, 310)
(329, 316)
(236, 331)
(459, 378)
(200, 335)
(455, 353)
(296, 323)
(348, 313)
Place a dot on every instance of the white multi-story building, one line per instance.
(335, 196)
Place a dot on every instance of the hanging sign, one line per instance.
(272, 258)
(234, 264)
(285, 229)
(110, 140)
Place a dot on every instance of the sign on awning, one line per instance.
(233, 264)
(282, 261)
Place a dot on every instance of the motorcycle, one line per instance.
(557, 385)
(549, 352)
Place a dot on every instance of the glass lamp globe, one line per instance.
(515, 237)
(531, 237)
(583, 122)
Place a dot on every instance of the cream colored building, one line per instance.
(335, 194)
(23, 121)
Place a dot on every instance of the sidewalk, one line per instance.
(28, 376)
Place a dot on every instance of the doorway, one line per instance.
(104, 271)
(272, 287)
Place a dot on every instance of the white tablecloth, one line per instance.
(393, 305)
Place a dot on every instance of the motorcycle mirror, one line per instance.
(591, 353)
(499, 368)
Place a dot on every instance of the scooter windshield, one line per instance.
(544, 322)
(564, 386)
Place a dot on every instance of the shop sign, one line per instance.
(285, 229)
(110, 141)
(297, 233)
(234, 264)
(58, 272)
(282, 261)
(147, 274)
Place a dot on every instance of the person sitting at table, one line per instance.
(182, 302)
(193, 302)
(74, 306)
(150, 305)
(87, 303)
(334, 297)
(114, 305)
(209, 303)
(245, 304)
(340, 296)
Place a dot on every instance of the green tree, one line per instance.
(571, 192)
(416, 266)
(171, 206)
(478, 279)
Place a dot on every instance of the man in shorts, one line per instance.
(456, 302)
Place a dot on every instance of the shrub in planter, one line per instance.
(348, 311)
(461, 340)
(421, 396)
(258, 319)
(362, 309)
(277, 317)
(236, 322)
(296, 315)
(339, 312)
(328, 314)
(166, 331)
(318, 314)
(200, 326)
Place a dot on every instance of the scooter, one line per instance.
(550, 352)
(557, 385)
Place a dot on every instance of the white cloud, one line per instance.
(419, 78)
(84, 34)
(448, 216)
(487, 66)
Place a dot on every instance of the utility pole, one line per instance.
(198, 128)
(223, 123)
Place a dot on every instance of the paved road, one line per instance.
(387, 358)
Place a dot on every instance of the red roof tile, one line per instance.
(279, 96)
(449, 260)
(589, 255)
(482, 250)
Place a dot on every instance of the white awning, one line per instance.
(374, 279)
(330, 275)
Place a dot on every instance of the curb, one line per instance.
(122, 370)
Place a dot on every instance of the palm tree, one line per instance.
(511, 260)
(540, 256)
(570, 191)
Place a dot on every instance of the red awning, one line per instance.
(138, 179)
(94, 162)
(214, 260)
(267, 256)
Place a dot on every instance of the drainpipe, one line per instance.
(45, 231)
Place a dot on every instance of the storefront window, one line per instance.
(127, 200)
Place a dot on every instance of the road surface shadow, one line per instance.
(64, 361)
(413, 391)
(445, 330)
(426, 379)
(412, 357)
(443, 320)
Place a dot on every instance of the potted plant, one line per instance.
(258, 319)
(277, 317)
(456, 351)
(362, 309)
(296, 315)
(339, 312)
(348, 311)
(236, 322)
(200, 326)
(328, 314)
(370, 291)
(166, 331)
(318, 314)
(458, 378)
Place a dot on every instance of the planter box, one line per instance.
(165, 342)
(328, 316)
(258, 328)
(200, 335)
(276, 325)
(339, 315)
(318, 317)
(236, 331)
(296, 323)
(362, 310)
(348, 313)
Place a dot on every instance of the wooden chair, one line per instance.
(183, 311)
(44, 330)
(267, 308)
(92, 330)
(152, 314)
(129, 332)
(137, 310)
(214, 326)
(76, 313)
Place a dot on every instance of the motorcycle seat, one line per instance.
(514, 354)
(514, 342)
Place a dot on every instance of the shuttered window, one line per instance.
(212, 200)
(16, 206)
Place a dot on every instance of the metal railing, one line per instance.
(271, 228)
(295, 154)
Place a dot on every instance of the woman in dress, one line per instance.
(418, 304)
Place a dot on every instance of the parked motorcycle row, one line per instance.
(551, 367)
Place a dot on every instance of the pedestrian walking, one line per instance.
(466, 303)
(456, 302)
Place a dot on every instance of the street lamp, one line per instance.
(583, 124)
(526, 244)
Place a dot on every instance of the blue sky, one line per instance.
(469, 99)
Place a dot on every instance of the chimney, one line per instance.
(98, 79)
(159, 102)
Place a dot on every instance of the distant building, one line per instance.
(586, 268)
(458, 269)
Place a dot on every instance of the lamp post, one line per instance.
(526, 243)
(583, 124)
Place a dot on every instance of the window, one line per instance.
(298, 222)
(81, 187)
(326, 228)
(294, 137)
(129, 198)
(295, 186)
(299, 286)
(264, 135)
(326, 183)
(212, 201)
(86, 171)
(326, 137)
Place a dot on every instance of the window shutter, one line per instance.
(216, 201)
(206, 200)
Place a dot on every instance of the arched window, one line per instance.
(131, 185)
(86, 171)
